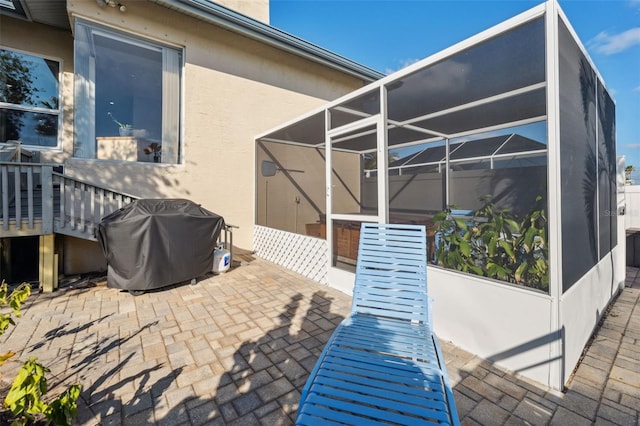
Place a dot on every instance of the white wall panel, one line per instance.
(632, 210)
(501, 323)
(584, 303)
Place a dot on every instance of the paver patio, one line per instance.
(236, 349)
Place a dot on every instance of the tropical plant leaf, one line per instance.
(27, 389)
(528, 239)
(520, 271)
(513, 225)
(64, 409)
(5, 357)
(476, 270)
(5, 322)
(461, 223)
(18, 296)
(508, 248)
(465, 248)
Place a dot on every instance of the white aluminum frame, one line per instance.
(537, 350)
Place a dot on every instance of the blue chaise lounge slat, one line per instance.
(383, 364)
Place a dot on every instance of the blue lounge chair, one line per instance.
(383, 363)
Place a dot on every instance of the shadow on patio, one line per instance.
(234, 348)
(237, 348)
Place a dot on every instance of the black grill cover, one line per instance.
(152, 243)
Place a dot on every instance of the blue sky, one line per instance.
(387, 35)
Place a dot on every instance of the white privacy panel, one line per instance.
(299, 253)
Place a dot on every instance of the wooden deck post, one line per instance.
(48, 264)
(47, 199)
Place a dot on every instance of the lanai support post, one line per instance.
(48, 274)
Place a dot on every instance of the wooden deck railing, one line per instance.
(35, 200)
(26, 199)
(83, 205)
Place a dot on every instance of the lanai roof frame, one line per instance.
(395, 81)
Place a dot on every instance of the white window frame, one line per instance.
(57, 112)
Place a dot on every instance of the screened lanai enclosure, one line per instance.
(503, 147)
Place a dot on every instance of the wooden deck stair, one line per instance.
(37, 201)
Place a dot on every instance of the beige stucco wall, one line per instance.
(233, 89)
(284, 206)
(277, 207)
(257, 9)
(81, 256)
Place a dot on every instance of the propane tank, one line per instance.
(221, 260)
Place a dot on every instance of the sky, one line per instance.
(388, 35)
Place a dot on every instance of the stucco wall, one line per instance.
(81, 256)
(277, 206)
(233, 89)
(257, 9)
(276, 195)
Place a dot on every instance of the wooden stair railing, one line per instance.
(83, 205)
(35, 200)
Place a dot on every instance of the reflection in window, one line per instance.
(29, 99)
(127, 97)
(509, 166)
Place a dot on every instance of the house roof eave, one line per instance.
(233, 21)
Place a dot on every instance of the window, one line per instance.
(127, 97)
(29, 99)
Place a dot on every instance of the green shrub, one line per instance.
(495, 244)
(24, 399)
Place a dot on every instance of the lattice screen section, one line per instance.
(299, 253)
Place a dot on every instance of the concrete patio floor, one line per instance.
(236, 349)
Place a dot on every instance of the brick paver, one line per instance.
(236, 349)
